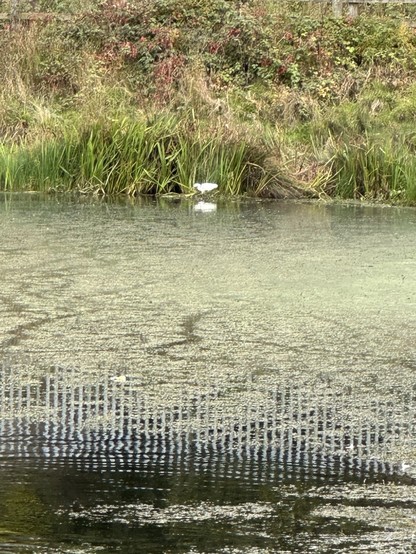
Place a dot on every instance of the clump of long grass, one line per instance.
(374, 171)
(147, 157)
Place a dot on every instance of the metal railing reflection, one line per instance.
(120, 421)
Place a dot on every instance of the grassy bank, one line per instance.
(160, 156)
(265, 98)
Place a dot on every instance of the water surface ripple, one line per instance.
(176, 380)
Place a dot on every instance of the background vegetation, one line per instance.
(265, 97)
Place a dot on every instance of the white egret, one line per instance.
(205, 187)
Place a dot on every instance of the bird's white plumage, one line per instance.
(205, 187)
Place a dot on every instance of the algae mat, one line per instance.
(255, 364)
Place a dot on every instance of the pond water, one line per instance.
(184, 378)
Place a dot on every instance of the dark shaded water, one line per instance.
(172, 380)
(178, 502)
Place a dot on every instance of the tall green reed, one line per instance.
(374, 171)
(157, 157)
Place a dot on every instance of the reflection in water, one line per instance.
(240, 380)
(63, 417)
(98, 458)
(115, 420)
(205, 207)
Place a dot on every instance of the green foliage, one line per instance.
(246, 81)
(153, 157)
(375, 171)
(152, 45)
